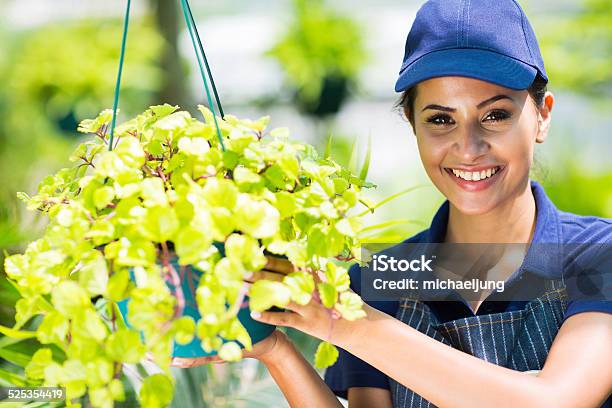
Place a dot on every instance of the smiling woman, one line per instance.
(474, 91)
(480, 127)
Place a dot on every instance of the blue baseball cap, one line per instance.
(490, 40)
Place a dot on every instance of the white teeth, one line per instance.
(475, 176)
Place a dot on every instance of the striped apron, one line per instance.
(519, 340)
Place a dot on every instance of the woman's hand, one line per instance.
(313, 319)
(264, 350)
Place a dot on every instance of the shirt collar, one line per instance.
(542, 260)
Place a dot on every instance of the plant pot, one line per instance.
(257, 330)
(334, 92)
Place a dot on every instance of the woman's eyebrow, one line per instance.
(493, 99)
(439, 107)
(479, 106)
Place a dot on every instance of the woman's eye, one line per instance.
(440, 120)
(497, 116)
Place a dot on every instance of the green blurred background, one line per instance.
(319, 67)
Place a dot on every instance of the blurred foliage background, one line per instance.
(322, 68)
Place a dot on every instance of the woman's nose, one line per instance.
(470, 144)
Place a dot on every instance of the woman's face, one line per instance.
(476, 139)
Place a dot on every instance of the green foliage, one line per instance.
(168, 187)
(578, 50)
(326, 354)
(320, 43)
(573, 188)
(53, 77)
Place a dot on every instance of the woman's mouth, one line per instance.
(475, 179)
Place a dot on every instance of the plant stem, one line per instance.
(238, 303)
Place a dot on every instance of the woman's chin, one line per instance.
(469, 207)
(473, 203)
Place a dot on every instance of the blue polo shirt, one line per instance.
(552, 227)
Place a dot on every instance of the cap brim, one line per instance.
(480, 64)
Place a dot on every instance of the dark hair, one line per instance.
(405, 103)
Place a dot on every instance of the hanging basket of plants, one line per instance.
(159, 239)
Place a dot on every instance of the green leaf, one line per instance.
(184, 329)
(160, 224)
(93, 276)
(16, 266)
(350, 306)
(92, 125)
(247, 250)
(337, 276)
(17, 334)
(153, 192)
(265, 294)
(257, 218)
(74, 378)
(286, 204)
(125, 346)
(196, 146)
(276, 176)
(390, 198)
(328, 294)
(69, 298)
(12, 379)
(326, 355)
(245, 177)
(236, 331)
(89, 325)
(325, 241)
(117, 285)
(173, 122)
(164, 110)
(101, 232)
(366, 164)
(220, 193)
(103, 197)
(328, 147)
(301, 285)
(52, 329)
(157, 391)
(131, 152)
(230, 351)
(36, 367)
(340, 185)
(15, 357)
(191, 245)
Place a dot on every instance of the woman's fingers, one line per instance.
(279, 265)
(286, 319)
(264, 274)
(194, 362)
(297, 308)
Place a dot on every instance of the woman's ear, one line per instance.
(545, 117)
(410, 117)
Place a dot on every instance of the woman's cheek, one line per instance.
(433, 150)
(517, 148)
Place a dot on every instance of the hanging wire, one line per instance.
(118, 84)
(210, 77)
(192, 33)
(200, 56)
